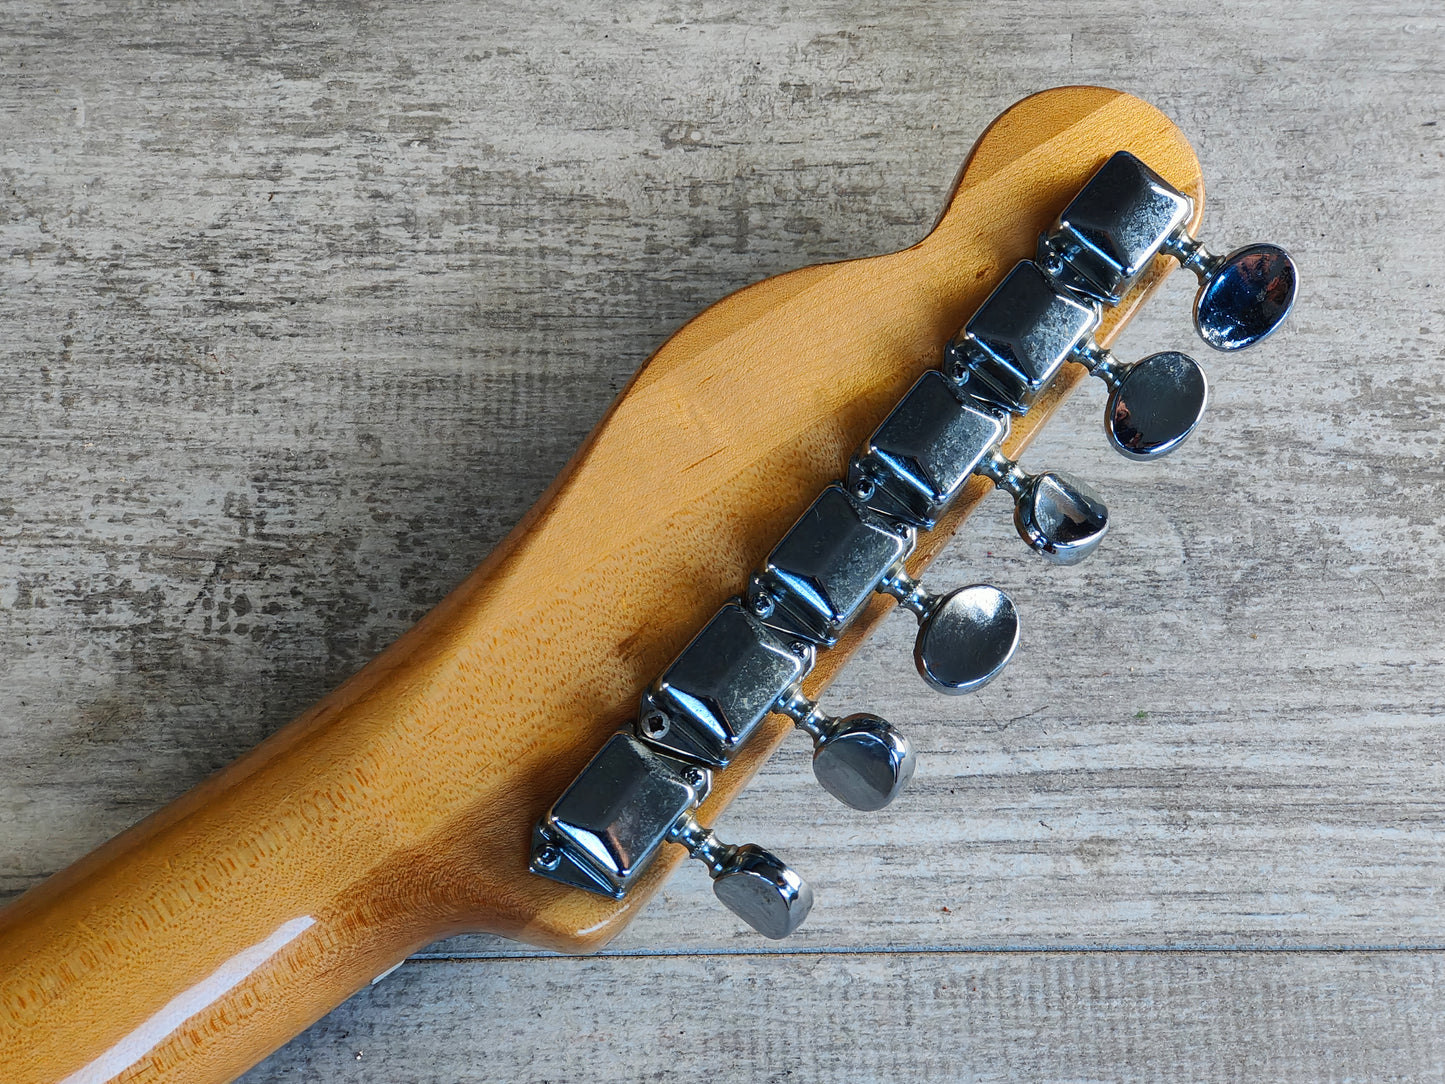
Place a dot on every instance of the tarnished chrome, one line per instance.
(625, 804)
(861, 760)
(964, 637)
(826, 567)
(1010, 367)
(1029, 327)
(707, 704)
(1019, 338)
(752, 883)
(1243, 297)
(1125, 216)
(1111, 231)
(712, 697)
(918, 460)
(606, 827)
(1061, 519)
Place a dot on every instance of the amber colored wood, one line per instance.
(399, 809)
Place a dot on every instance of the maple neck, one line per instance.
(399, 809)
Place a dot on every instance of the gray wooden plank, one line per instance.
(304, 305)
(1310, 1018)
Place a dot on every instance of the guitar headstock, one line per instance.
(535, 756)
(700, 592)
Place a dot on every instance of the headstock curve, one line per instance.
(1009, 190)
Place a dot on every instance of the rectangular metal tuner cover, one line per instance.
(1019, 338)
(609, 823)
(918, 461)
(707, 704)
(826, 567)
(1113, 228)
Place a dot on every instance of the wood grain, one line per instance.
(439, 322)
(1038, 1016)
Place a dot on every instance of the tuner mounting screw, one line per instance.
(655, 724)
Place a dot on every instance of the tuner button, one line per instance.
(863, 761)
(1060, 518)
(1156, 405)
(968, 636)
(1245, 296)
(755, 885)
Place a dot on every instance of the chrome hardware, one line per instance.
(1112, 230)
(964, 637)
(625, 804)
(1004, 357)
(861, 760)
(712, 697)
(1019, 339)
(827, 566)
(752, 883)
(737, 670)
(1154, 404)
(610, 822)
(1125, 216)
(643, 787)
(1060, 518)
(1243, 297)
(917, 462)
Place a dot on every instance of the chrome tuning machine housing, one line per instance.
(1125, 216)
(917, 462)
(608, 825)
(1045, 312)
(714, 695)
(839, 554)
(1025, 331)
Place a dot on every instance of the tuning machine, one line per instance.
(1125, 216)
(714, 695)
(754, 884)
(840, 553)
(853, 542)
(1025, 330)
(919, 459)
(860, 759)
(629, 800)
(965, 637)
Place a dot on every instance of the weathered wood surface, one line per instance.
(303, 306)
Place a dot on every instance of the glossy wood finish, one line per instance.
(399, 808)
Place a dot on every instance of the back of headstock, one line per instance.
(402, 807)
(775, 386)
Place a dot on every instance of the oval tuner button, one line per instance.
(1245, 296)
(1060, 518)
(968, 636)
(863, 761)
(755, 885)
(1155, 405)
